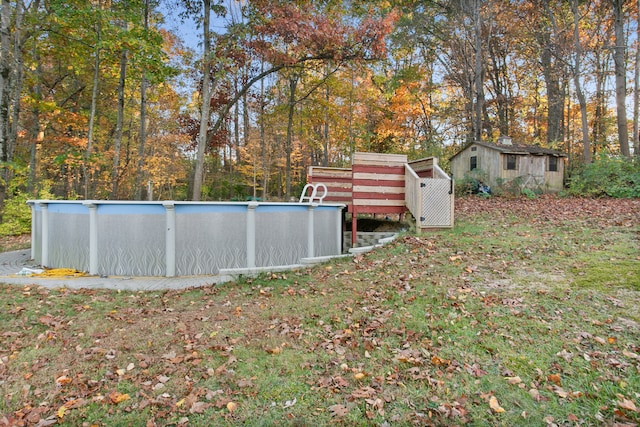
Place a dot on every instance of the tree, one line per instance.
(119, 122)
(142, 135)
(621, 76)
(6, 78)
(293, 35)
(577, 68)
(478, 71)
(206, 102)
(636, 89)
(94, 99)
(291, 104)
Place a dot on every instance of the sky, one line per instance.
(187, 29)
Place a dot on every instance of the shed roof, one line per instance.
(520, 149)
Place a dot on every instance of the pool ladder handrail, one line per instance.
(314, 193)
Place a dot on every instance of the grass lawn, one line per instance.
(526, 313)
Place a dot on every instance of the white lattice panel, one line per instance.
(437, 204)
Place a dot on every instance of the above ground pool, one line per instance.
(123, 238)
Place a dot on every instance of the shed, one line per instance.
(532, 166)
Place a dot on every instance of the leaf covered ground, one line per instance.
(526, 313)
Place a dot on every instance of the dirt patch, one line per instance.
(12, 243)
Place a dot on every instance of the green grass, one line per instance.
(540, 315)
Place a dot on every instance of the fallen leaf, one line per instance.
(377, 404)
(62, 380)
(61, 412)
(338, 410)
(599, 340)
(75, 403)
(244, 383)
(565, 355)
(170, 355)
(560, 392)
(438, 361)
(627, 404)
(513, 380)
(495, 406)
(363, 393)
(117, 397)
(554, 378)
(359, 376)
(274, 350)
(631, 354)
(200, 407)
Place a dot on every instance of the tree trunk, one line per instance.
(35, 127)
(636, 90)
(288, 146)
(18, 77)
(325, 133)
(205, 109)
(142, 138)
(478, 72)
(246, 124)
(236, 126)
(263, 142)
(598, 131)
(92, 113)
(499, 80)
(553, 75)
(621, 77)
(140, 174)
(586, 148)
(5, 92)
(115, 173)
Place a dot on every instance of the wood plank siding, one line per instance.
(378, 183)
(337, 180)
(424, 167)
(501, 163)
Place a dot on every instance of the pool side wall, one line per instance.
(117, 238)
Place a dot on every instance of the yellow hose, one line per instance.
(60, 272)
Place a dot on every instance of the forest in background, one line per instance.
(101, 99)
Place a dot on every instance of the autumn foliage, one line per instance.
(98, 97)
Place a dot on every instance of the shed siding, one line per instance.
(488, 162)
(555, 180)
(532, 169)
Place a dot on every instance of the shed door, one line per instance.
(532, 169)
